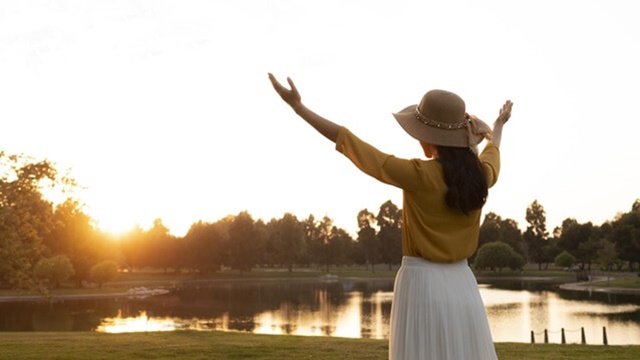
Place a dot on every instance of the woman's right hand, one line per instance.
(291, 97)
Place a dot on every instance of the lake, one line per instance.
(343, 308)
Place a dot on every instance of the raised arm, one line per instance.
(292, 97)
(503, 117)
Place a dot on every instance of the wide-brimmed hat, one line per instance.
(441, 119)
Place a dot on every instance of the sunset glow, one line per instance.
(164, 110)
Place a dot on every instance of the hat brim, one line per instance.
(429, 134)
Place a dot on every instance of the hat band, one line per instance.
(440, 125)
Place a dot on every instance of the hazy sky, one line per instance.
(163, 109)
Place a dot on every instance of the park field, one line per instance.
(189, 345)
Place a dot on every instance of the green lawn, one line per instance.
(223, 345)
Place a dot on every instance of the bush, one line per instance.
(104, 272)
(498, 255)
(54, 270)
(565, 260)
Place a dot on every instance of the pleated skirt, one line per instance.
(437, 313)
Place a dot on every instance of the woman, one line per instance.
(437, 312)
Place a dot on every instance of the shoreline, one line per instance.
(591, 286)
(146, 288)
(138, 293)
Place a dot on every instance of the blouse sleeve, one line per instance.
(402, 173)
(490, 159)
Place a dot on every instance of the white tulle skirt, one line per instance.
(437, 313)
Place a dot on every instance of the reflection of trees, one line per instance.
(600, 297)
(291, 306)
(290, 302)
(58, 316)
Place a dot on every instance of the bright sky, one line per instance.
(163, 109)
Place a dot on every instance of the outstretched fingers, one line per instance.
(276, 85)
(290, 96)
(505, 111)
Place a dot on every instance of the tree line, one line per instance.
(42, 244)
(613, 245)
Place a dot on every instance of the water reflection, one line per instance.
(357, 309)
(320, 312)
(514, 314)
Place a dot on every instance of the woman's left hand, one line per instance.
(505, 113)
(291, 97)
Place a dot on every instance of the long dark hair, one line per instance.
(466, 182)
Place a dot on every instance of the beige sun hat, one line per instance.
(441, 119)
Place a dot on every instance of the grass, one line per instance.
(621, 281)
(268, 273)
(225, 345)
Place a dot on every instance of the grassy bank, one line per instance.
(151, 278)
(157, 278)
(222, 345)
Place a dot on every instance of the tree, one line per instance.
(565, 259)
(536, 234)
(288, 240)
(310, 240)
(133, 248)
(55, 269)
(75, 236)
(498, 255)
(161, 249)
(320, 246)
(242, 242)
(205, 245)
(625, 234)
(494, 228)
(390, 235)
(367, 238)
(25, 216)
(262, 255)
(588, 252)
(339, 246)
(579, 239)
(607, 255)
(103, 272)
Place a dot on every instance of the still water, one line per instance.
(358, 309)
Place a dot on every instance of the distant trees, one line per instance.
(42, 243)
(494, 228)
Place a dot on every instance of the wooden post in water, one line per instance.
(584, 339)
(533, 338)
(604, 335)
(546, 337)
(564, 340)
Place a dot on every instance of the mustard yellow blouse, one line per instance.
(430, 229)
